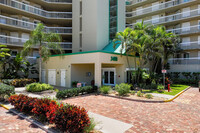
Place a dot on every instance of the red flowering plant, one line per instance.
(71, 119)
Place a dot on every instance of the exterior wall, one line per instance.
(121, 15)
(99, 60)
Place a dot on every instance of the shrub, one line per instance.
(6, 90)
(18, 82)
(75, 92)
(68, 118)
(37, 87)
(160, 88)
(76, 119)
(133, 92)
(140, 94)
(149, 96)
(105, 89)
(123, 89)
(154, 86)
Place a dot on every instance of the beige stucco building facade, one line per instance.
(100, 67)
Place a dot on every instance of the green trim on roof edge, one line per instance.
(87, 52)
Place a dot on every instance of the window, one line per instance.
(199, 40)
(155, 6)
(14, 52)
(185, 41)
(25, 6)
(139, 20)
(14, 21)
(2, 38)
(80, 40)
(80, 7)
(155, 19)
(25, 23)
(138, 10)
(36, 54)
(35, 23)
(186, 26)
(14, 36)
(186, 55)
(186, 12)
(25, 37)
(3, 20)
(80, 24)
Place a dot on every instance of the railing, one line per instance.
(131, 2)
(157, 7)
(15, 41)
(57, 1)
(186, 30)
(171, 18)
(185, 61)
(35, 10)
(31, 26)
(190, 45)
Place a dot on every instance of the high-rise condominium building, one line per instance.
(84, 25)
(181, 17)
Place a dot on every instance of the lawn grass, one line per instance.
(175, 89)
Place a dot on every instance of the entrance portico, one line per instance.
(97, 67)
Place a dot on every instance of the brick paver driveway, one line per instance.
(10, 123)
(182, 115)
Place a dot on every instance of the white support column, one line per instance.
(98, 74)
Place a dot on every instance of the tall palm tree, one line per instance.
(45, 42)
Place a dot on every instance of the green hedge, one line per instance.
(191, 82)
(37, 87)
(6, 90)
(75, 92)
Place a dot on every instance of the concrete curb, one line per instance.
(177, 95)
(148, 101)
(34, 122)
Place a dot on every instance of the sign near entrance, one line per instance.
(114, 58)
(164, 71)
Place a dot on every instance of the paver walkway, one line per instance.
(10, 123)
(182, 115)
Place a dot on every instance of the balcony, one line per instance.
(190, 45)
(158, 7)
(15, 41)
(137, 2)
(186, 30)
(184, 64)
(36, 11)
(184, 61)
(31, 26)
(58, 1)
(172, 18)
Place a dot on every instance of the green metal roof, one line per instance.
(110, 48)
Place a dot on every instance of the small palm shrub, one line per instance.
(140, 94)
(133, 92)
(37, 87)
(160, 88)
(149, 96)
(105, 89)
(123, 89)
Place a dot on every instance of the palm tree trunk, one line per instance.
(40, 69)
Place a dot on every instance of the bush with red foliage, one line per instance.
(71, 119)
(22, 102)
(67, 118)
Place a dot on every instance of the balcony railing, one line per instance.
(157, 7)
(190, 45)
(15, 41)
(186, 30)
(171, 18)
(185, 61)
(31, 26)
(131, 2)
(35, 10)
(58, 1)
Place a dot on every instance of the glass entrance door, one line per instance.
(109, 77)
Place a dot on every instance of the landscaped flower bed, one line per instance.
(18, 82)
(65, 117)
(6, 91)
(75, 92)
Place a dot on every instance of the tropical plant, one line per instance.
(123, 89)
(46, 42)
(149, 96)
(105, 89)
(4, 51)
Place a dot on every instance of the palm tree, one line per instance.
(45, 42)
